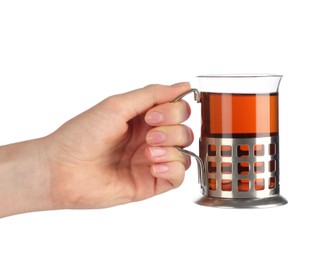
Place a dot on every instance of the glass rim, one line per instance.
(240, 76)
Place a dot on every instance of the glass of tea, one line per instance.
(239, 141)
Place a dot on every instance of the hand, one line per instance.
(119, 151)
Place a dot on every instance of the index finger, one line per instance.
(138, 101)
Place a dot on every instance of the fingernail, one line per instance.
(154, 118)
(155, 137)
(160, 168)
(157, 151)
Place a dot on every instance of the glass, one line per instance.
(239, 148)
(239, 106)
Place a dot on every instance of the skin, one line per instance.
(119, 151)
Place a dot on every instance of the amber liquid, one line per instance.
(239, 115)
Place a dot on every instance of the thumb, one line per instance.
(137, 102)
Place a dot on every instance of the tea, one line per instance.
(239, 115)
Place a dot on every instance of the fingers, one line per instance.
(177, 135)
(172, 173)
(166, 154)
(168, 164)
(168, 114)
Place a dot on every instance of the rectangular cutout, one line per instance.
(243, 168)
(258, 150)
(212, 150)
(212, 167)
(272, 165)
(226, 185)
(259, 184)
(226, 167)
(272, 149)
(259, 167)
(243, 150)
(212, 184)
(272, 183)
(243, 185)
(226, 150)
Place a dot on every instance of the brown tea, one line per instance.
(239, 115)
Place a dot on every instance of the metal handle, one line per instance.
(201, 167)
(196, 95)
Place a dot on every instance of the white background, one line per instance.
(58, 58)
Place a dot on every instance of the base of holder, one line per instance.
(273, 201)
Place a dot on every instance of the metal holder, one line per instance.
(237, 172)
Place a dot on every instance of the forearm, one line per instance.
(24, 178)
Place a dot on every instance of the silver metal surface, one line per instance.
(273, 201)
(194, 90)
(240, 167)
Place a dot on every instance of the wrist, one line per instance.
(24, 178)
